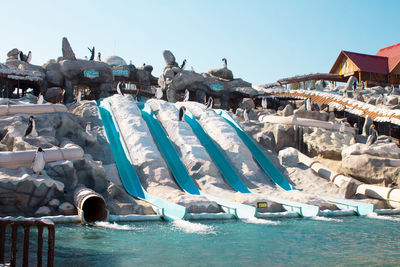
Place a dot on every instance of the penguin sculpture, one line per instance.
(31, 130)
(342, 127)
(91, 137)
(224, 63)
(191, 69)
(245, 115)
(391, 90)
(308, 104)
(119, 89)
(210, 103)
(373, 135)
(21, 56)
(159, 93)
(354, 86)
(79, 97)
(99, 56)
(29, 57)
(379, 100)
(183, 64)
(384, 99)
(355, 126)
(137, 97)
(25, 58)
(187, 95)
(92, 51)
(40, 99)
(38, 161)
(181, 112)
(264, 103)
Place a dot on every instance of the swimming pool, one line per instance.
(295, 242)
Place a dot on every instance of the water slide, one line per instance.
(179, 171)
(269, 168)
(231, 176)
(168, 210)
(272, 171)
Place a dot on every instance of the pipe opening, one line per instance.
(94, 209)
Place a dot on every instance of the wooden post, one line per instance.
(25, 255)
(50, 241)
(40, 246)
(13, 252)
(2, 242)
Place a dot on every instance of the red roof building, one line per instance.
(380, 69)
(393, 54)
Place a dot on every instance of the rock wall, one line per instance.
(372, 164)
(51, 192)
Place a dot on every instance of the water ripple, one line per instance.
(374, 215)
(115, 226)
(325, 219)
(260, 221)
(196, 228)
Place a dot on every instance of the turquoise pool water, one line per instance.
(290, 242)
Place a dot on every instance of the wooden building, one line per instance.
(393, 55)
(380, 69)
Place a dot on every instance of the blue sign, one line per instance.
(216, 87)
(121, 73)
(91, 74)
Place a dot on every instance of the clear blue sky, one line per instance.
(262, 40)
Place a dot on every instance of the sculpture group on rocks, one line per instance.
(217, 83)
(60, 77)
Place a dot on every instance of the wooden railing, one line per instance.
(26, 225)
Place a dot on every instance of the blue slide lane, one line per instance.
(269, 168)
(179, 171)
(273, 172)
(217, 156)
(168, 210)
(233, 178)
(345, 204)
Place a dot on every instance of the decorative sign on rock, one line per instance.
(262, 205)
(216, 87)
(119, 72)
(91, 74)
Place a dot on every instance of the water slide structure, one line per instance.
(231, 176)
(168, 210)
(269, 168)
(171, 211)
(179, 171)
(272, 171)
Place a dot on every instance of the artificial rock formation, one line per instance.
(28, 194)
(375, 164)
(175, 81)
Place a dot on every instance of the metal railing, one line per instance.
(26, 225)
